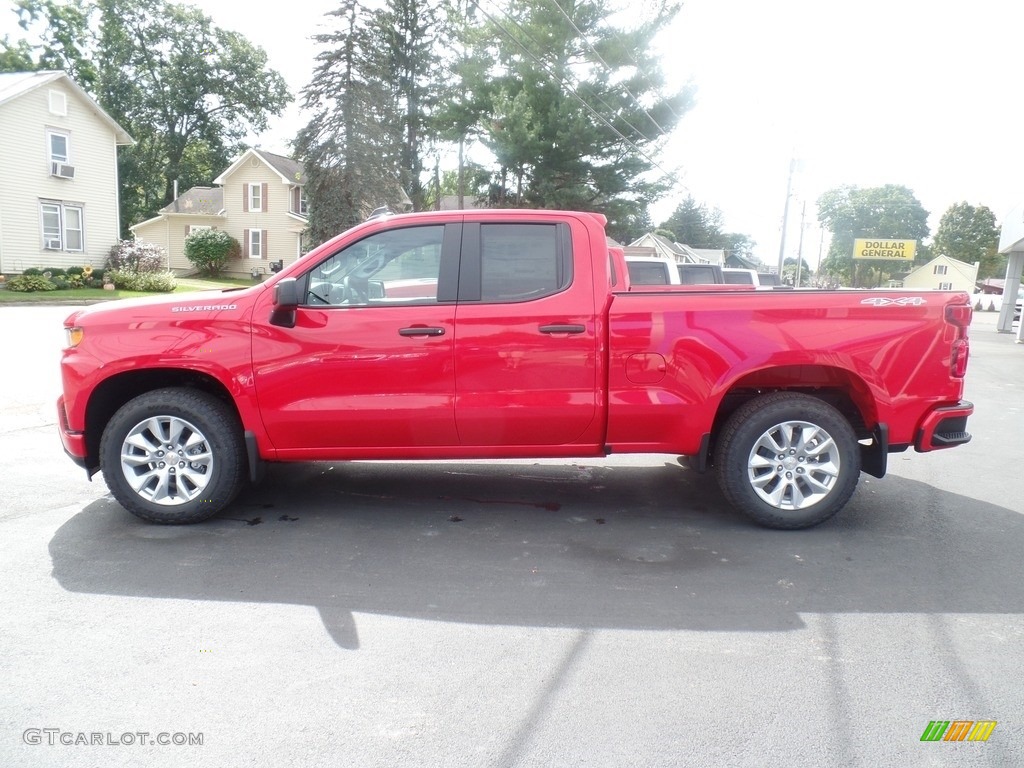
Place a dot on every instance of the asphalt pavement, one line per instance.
(589, 613)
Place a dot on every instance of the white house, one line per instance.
(58, 173)
(943, 274)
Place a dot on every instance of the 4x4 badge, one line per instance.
(904, 301)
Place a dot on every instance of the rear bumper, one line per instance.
(944, 427)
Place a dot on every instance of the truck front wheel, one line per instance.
(787, 460)
(173, 456)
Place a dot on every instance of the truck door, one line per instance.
(369, 362)
(526, 338)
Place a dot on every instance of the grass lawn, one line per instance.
(88, 295)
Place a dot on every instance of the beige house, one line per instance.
(58, 174)
(943, 274)
(259, 201)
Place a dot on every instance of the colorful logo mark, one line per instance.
(958, 730)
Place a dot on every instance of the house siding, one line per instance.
(281, 230)
(26, 179)
(961, 275)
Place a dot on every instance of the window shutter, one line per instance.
(245, 198)
(265, 253)
(263, 197)
(188, 230)
(248, 243)
(295, 199)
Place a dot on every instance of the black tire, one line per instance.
(173, 456)
(787, 460)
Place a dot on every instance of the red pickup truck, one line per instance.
(500, 334)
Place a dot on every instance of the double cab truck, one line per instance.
(507, 334)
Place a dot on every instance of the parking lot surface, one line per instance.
(596, 613)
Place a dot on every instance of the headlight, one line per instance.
(73, 336)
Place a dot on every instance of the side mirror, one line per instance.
(286, 301)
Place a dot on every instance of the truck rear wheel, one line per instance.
(787, 460)
(173, 456)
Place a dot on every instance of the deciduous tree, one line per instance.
(970, 234)
(186, 90)
(190, 90)
(849, 212)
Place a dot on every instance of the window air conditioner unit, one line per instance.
(52, 245)
(62, 170)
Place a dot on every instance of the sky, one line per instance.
(922, 93)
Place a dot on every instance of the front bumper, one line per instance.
(944, 427)
(73, 442)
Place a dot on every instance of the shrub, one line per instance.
(30, 283)
(149, 282)
(136, 256)
(61, 283)
(53, 272)
(210, 250)
(74, 271)
(33, 272)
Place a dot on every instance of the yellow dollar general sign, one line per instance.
(870, 248)
(958, 730)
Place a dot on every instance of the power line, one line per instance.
(572, 91)
(608, 66)
(533, 40)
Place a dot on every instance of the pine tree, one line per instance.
(351, 147)
(577, 109)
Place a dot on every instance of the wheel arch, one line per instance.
(108, 397)
(841, 388)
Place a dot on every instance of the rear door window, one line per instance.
(514, 262)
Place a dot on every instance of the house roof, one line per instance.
(740, 262)
(199, 201)
(290, 171)
(676, 251)
(16, 84)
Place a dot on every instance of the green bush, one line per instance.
(210, 250)
(148, 282)
(61, 283)
(29, 283)
(53, 272)
(74, 271)
(33, 272)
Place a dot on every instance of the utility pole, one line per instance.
(800, 247)
(785, 214)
